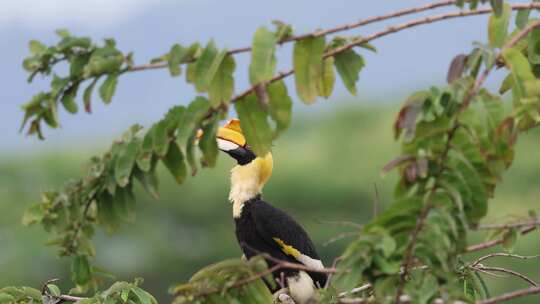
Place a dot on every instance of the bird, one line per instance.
(261, 227)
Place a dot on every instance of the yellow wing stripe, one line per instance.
(287, 249)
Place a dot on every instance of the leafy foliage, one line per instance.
(457, 141)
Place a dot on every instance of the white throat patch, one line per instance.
(245, 185)
(225, 145)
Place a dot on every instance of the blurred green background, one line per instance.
(326, 167)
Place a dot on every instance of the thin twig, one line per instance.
(492, 243)
(376, 200)
(356, 290)
(319, 33)
(341, 223)
(511, 295)
(503, 254)
(340, 236)
(509, 225)
(69, 298)
(507, 271)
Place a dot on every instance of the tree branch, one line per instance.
(493, 243)
(533, 223)
(507, 271)
(318, 33)
(511, 295)
(502, 254)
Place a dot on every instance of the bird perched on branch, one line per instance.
(262, 228)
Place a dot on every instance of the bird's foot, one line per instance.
(282, 297)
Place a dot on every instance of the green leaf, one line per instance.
(161, 138)
(207, 65)
(222, 86)
(54, 290)
(149, 181)
(208, 143)
(263, 60)
(308, 66)
(498, 27)
(254, 124)
(510, 239)
(279, 105)
(87, 96)
(33, 214)
(68, 99)
(125, 162)
(124, 204)
(497, 6)
(144, 158)
(36, 47)
(80, 270)
(522, 18)
(176, 55)
(174, 161)
(349, 64)
(326, 83)
(520, 69)
(533, 51)
(195, 113)
(144, 297)
(108, 87)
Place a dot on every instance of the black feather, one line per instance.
(260, 222)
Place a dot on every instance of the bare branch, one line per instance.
(511, 295)
(318, 33)
(503, 254)
(340, 237)
(341, 223)
(509, 225)
(507, 271)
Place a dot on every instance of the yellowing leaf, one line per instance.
(307, 61)
(498, 27)
(326, 83)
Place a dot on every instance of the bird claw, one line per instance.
(282, 297)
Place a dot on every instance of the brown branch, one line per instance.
(507, 271)
(492, 243)
(280, 264)
(319, 33)
(509, 225)
(502, 254)
(69, 298)
(511, 295)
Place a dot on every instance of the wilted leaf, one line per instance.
(254, 123)
(510, 239)
(456, 68)
(87, 96)
(308, 63)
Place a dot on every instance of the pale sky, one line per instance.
(406, 62)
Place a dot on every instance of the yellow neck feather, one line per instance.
(248, 180)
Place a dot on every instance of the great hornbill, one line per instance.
(261, 227)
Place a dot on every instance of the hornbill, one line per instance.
(261, 227)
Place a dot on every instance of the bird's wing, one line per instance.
(281, 230)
